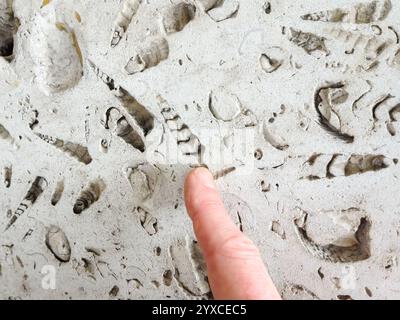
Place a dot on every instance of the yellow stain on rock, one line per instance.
(45, 3)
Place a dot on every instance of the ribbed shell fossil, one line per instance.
(36, 189)
(89, 196)
(124, 18)
(153, 51)
(360, 13)
(73, 150)
(175, 17)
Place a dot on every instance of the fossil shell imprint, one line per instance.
(328, 166)
(360, 13)
(73, 150)
(6, 136)
(190, 271)
(175, 17)
(188, 143)
(58, 243)
(310, 42)
(125, 131)
(7, 175)
(123, 20)
(151, 53)
(269, 64)
(224, 10)
(55, 53)
(148, 222)
(140, 114)
(36, 189)
(143, 180)
(8, 26)
(89, 196)
(334, 253)
(224, 105)
(58, 191)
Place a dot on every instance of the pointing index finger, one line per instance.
(235, 268)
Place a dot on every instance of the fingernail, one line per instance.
(205, 178)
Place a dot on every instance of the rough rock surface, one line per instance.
(303, 96)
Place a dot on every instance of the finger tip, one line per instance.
(199, 176)
(197, 184)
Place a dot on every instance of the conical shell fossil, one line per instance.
(325, 166)
(141, 115)
(175, 17)
(188, 143)
(58, 191)
(89, 196)
(105, 78)
(55, 53)
(73, 150)
(125, 131)
(58, 243)
(5, 135)
(115, 121)
(150, 54)
(124, 18)
(36, 189)
(8, 27)
(360, 13)
(369, 47)
(222, 173)
(7, 173)
(360, 164)
(310, 42)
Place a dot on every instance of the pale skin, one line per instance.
(234, 265)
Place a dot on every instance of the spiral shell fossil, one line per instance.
(124, 18)
(89, 196)
(360, 13)
(36, 189)
(73, 150)
(153, 51)
(176, 17)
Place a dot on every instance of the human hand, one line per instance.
(235, 268)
